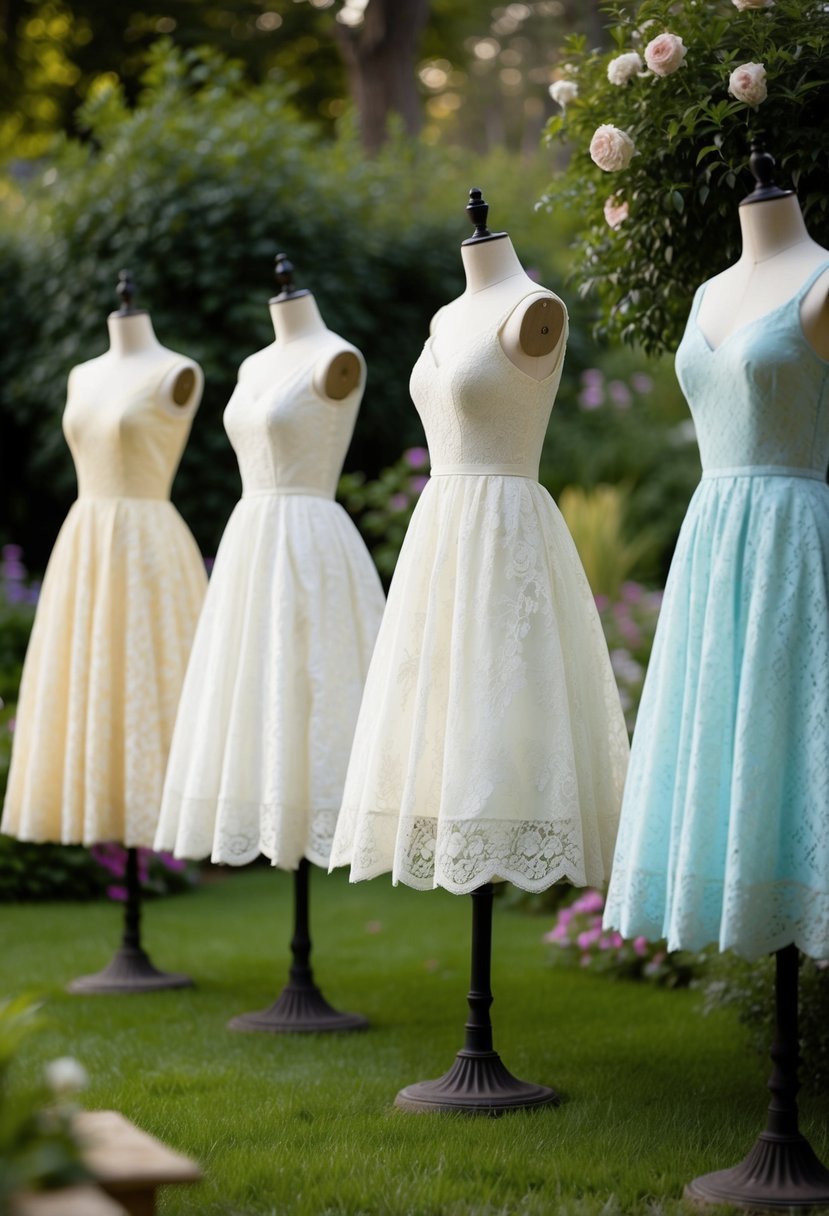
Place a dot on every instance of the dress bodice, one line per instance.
(129, 447)
(481, 412)
(288, 439)
(759, 399)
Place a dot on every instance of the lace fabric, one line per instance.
(279, 659)
(112, 632)
(725, 825)
(490, 740)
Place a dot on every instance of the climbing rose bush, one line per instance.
(688, 87)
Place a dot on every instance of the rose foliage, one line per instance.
(715, 76)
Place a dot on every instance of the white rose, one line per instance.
(748, 83)
(665, 53)
(624, 67)
(611, 148)
(65, 1076)
(744, 4)
(564, 91)
(615, 211)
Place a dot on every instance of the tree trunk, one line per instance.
(380, 57)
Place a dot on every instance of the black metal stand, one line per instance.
(781, 1172)
(130, 969)
(478, 1082)
(300, 1006)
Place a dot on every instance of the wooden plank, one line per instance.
(67, 1201)
(121, 1156)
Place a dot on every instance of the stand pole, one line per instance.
(300, 1006)
(130, 969)
(781, 1171)
(478, 1082)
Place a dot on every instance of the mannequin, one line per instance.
(299, 327)
(132, 337)
(273, 686)
(778, 255)
(114, 622)
(490, 743)
(494, 278)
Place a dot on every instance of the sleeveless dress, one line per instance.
(283, 644)
(490, 741)
(725, 825)
(112, 631)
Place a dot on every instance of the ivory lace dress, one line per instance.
(112, 632)
(490, 740)
(725, 826)
(283, 644)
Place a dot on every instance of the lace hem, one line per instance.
(752, 919)
(235, 833)
(460, 855)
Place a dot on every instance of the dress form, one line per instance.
(777, 256)
(298, 328)
(495, 278)
(135, 351)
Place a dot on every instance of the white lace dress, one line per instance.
(272, 690)
(490, 741)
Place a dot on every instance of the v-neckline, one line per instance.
(796, 298)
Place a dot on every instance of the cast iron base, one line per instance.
(298, 1009)
(779, 1174)
(129, 971)
(477, 1083)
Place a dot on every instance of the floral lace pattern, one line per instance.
(490, 740)
(111, 637)
(725, 825)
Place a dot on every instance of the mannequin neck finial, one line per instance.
(284, 274)
(477, 209)
(762, 164)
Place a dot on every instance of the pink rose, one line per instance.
(665, 53)
(615, 211)
(611, 148)
(748, 83)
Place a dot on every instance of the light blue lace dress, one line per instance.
(724, 834)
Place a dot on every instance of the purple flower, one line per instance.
(601, 602)
(557, 934)
(399, 502)
(611, 941)
(591, 397)
(619, 394)
(641, 382)
(640, 946)
(176, 864)
(416, 458)
(592, 376)
(632, 593)
(565, 916)
(117, 893)
(418, 484)
(590, 901)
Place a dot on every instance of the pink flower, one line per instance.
(615, 211)
(640, 946)
(641, 382)
(748, 83)
(588, 938)
(665, 53)
(590, 901)
(565, 916)
(619, 394)
(557, 934)
(418, 484)
(610, 148)
(399, 502)
(591, 397)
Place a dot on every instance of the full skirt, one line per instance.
(273, 686)
(103, 674)
(491, 741)
(725, 824)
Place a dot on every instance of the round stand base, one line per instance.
(299, 1009)
(477, 1083)
(780, 1173)
(129, 971)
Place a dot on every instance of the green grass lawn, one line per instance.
(653, 1092)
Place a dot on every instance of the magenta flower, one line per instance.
(588, 938)
(417, 458)
(117, 893)
(590, 901)
(640, 946)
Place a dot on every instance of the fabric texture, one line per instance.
(490, 741)
(725, 824)
(283, 644)
(112, 632)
